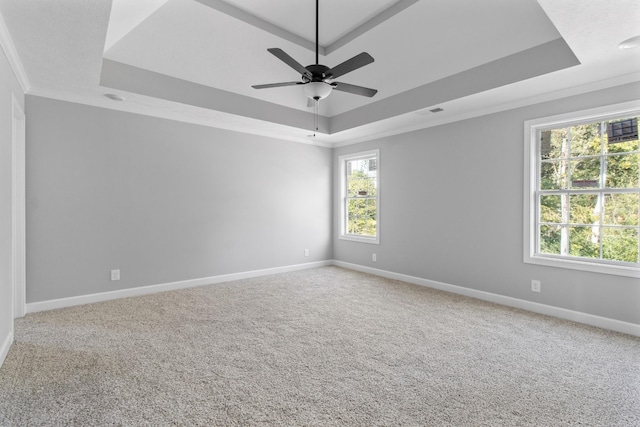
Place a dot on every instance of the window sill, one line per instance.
(361, 239)
(550, 261)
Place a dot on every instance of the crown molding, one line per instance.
(6, 42)
(218, 119)
(226, 121)
(484, 111)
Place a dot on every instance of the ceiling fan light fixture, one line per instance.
(317, 78)
(317, 90)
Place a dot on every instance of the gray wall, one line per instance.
(167, 201)
(8, 85)
(163, 201)
(452, 211)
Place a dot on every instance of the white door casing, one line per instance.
(18, 211)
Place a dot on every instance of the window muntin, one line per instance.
(360, 196)
(584, 200)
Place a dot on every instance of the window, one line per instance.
(359, 180)
(583, 177)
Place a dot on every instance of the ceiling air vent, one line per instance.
(426, 112)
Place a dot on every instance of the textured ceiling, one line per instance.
(195, 60)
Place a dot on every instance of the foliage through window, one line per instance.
(360, 202)
(586, 198)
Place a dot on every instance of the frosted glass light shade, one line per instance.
(317, 90)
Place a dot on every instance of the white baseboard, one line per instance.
(144, 290)
(562, 313)
(6, 345)
(576, 316)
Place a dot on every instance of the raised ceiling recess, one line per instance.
(196, 60)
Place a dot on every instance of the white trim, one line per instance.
(18, 209)
(562, 313)
(531, 128)
(604, 112)
(6, 345)
(6, 43)
(483, 111)
(151, 289)
(213, 119)
(360, 239)
(228, 121)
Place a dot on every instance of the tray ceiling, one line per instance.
(195, 60)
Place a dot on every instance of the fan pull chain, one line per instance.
(315, 117)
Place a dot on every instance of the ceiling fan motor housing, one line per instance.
(315, 87)
(318, 73)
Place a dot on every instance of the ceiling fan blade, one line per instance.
(350, 64)
(268, 85)
(284, 57)
(357, 90)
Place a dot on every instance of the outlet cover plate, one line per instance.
(535, 286)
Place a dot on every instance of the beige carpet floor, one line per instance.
(323, 347)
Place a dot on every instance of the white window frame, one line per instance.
(532, 130)
(343, 197)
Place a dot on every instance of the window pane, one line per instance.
(369, 226)
(551, 209)
(354, 208)
(359, 183)
(583, 209)
(368, 167)
(551, 143)
(553, 175)
(622, 147)
(585, 173)
(588, 204)
(621, 209)
(622, 132)
(585, 140)
(620, 244)
(622, 171)
(361, 216)
(361, 186)
(584, 241)
(550, 239)
(361, 177)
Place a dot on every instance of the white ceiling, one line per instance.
(298, 17)
(195, 60)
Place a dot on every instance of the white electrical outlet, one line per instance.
(535, 286)
(374, 257)
(306, 252)
(115, 274)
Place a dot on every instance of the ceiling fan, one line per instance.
(317, 79)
